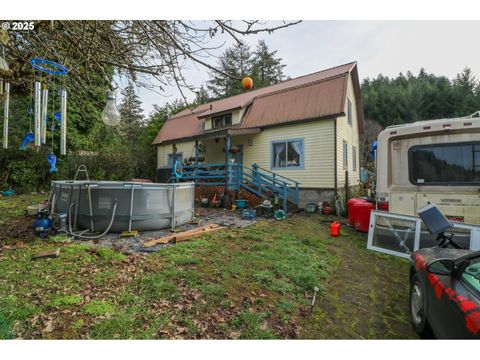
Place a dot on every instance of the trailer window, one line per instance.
(445, 164)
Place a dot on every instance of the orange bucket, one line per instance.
(335, 229)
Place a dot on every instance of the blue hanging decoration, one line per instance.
(374, 149)
(178, 169)
(52, 160)
(27, 139)
(8, 192)
(57, 117)
(48, 66)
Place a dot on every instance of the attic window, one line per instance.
(222, 120)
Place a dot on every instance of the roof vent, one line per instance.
(211, 106)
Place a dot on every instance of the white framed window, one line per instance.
(222, 120)
(354, 158)
(287, 154)
(345, 155)
(349, 112)
(174, 157)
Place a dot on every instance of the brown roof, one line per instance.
(180, 127)
(314, 96)
(312, 101)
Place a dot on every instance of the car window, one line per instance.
(471, 274)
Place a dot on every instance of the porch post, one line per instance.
(195, 168)
(227, 160)
(196, 152)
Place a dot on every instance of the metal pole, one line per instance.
(90, 208)
(63, 124)
(6, 109)
(44, 115)
(192, 193)
(37, 111)
(172, 206)
(131, 209)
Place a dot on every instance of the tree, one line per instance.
(234, 64)
(267, 69)
(372, 129)
(237, 62)
(133, 49)
(202, 96)
(131, 113)
(409, 98)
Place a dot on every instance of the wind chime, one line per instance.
(4, 90)
(40, 109)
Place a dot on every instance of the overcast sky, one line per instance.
(386, 47)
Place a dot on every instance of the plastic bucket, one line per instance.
(241, 203)
(362, 215)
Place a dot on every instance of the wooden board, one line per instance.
(47, 254)
(185, 235)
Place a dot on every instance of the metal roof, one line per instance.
(314, 96)
(313, 101)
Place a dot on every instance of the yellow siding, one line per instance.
(349, 133)
(318, 171)
(186, 148)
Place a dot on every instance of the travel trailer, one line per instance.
(434, 161)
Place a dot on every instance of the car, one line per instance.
(444, 297)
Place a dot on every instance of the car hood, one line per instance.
(432, 253)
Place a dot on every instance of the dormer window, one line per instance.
(222, 120)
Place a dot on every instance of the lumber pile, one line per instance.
(184, 235)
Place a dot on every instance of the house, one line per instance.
(297, 138)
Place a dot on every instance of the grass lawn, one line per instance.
(253, 283)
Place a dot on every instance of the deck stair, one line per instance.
(255, 179)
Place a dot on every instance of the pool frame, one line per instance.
(135, 199)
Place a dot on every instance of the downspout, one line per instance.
(335, 154)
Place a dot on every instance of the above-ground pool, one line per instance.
(119, 206)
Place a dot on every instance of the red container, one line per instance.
(351, 211)
(362, 212)
(335, 228)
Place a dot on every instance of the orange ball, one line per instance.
(247, 83)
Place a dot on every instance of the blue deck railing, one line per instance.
(235, 176)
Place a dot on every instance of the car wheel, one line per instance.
(418, 316)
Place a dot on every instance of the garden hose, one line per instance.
(92, 237)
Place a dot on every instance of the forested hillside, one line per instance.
(408, 98)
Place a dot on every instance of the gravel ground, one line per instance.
(207, 216)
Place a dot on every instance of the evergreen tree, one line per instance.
(131, 113)
(236, 61)
(411, 98)
(201, 97)
(267, 69)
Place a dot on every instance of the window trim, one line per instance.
(345, 154)
(349, 112)
(222, 116)
(168, 157)
(302, 154)
(354, 158)
(410, 164)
